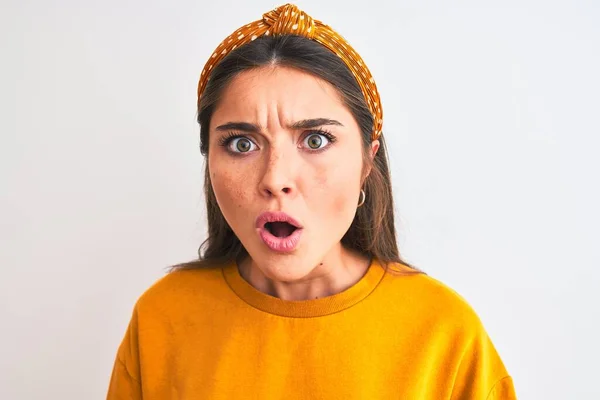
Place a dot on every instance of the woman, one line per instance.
(300, 291)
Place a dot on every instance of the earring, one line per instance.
(363, 197)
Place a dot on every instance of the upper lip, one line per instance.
(275, 216)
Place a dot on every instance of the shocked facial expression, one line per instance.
(285, 161)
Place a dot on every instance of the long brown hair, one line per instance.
(372, 231)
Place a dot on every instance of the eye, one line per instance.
(237, 143)
(241, 145)
(318, 140)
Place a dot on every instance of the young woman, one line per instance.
(299, 291)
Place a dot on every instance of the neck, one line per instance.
(338, 271)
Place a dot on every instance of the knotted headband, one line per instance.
(289, 20)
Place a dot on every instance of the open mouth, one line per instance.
(280, 229)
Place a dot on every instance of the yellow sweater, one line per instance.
(208, 334)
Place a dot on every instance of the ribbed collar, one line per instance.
(304, 308)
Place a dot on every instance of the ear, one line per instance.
(374, 147)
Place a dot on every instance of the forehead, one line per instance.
(288, 92)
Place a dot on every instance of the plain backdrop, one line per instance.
(491, 113)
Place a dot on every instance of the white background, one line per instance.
(492, 119)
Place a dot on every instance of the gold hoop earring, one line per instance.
(363, 197)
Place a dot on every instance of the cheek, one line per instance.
(337, 187)
(230, 187)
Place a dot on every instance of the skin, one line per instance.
(277, 169)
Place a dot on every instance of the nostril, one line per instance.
(274, 192)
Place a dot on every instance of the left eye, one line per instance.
(316, 141)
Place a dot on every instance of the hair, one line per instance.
(372, 231)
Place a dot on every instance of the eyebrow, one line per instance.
(303, 124)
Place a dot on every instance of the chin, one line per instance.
(285, 267)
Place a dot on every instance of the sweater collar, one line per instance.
(304, 308)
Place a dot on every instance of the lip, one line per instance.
(278, 244)
(276, 216)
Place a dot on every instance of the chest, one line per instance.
(295, 359)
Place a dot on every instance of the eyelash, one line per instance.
(227, 139)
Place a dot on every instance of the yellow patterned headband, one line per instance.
(289, 20)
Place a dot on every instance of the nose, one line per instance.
(278, 178)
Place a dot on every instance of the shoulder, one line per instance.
(431, 301)
(442, 321)
(183, 287)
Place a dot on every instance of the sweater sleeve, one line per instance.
(481, 373)
(503, 389)
(125, 383)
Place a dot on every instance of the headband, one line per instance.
(289, 20)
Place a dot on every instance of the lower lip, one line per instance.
(282, 245)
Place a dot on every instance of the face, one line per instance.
(282, 140)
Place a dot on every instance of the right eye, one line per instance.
(241, 145)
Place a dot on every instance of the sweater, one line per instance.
(209, 334)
